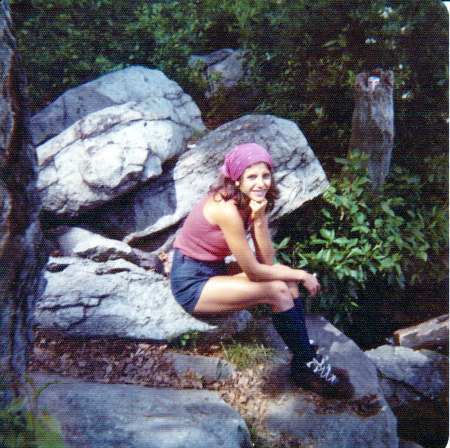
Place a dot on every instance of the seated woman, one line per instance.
(217, 227)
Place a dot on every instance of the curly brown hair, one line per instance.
(227, 189)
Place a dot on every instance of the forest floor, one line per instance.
(119, 361)
(122, 361)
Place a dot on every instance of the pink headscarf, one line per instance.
(241, 157)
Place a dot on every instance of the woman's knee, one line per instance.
(293, 288)
(281, 294)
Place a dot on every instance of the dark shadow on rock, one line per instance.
(135, 210)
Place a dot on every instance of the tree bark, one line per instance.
(373, 122)
(21, 250)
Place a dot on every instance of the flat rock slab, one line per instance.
(364, 421)
(208, 367)
(96, 415)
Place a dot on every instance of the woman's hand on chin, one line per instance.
(258, 208)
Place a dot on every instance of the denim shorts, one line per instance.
(188, 277)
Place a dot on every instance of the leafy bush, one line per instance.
(302, 57)
(186, 341)
(362, 243)
(24, 425)
(64, 43)
(321, 46)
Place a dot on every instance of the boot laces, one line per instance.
(323, 368)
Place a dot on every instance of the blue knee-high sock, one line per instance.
(291, 327)
(298, 303)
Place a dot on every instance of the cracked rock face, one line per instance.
(222, 68)
(409, 375)
(105, 172)
(112, 150)
(115, 298)
(133, 84)
(105, 415)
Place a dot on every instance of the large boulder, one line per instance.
(104, 415)
(363, 421)
(105, 284)
(133, 84)
(410, 375)
(162, 202)
(109, 152)
(221, 68)
(117, 298)
(415, 384)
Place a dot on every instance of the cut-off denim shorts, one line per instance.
(188, 278)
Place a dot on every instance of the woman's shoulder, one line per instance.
(216, 209)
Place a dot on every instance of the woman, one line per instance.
(217, 227)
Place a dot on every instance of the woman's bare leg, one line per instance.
(234, 293)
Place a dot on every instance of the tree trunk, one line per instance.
(21, 248)
(373, 122)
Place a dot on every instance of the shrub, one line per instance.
(302, 57)
(24, 425)
(361, 243)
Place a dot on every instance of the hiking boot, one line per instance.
(318, 376)
(341, 373)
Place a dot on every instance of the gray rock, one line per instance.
(109, 152)
(74, 241)
(164, 201)
(409, 372)
(431, 334)
(120, 87)
(287, 411)
(105, 416)
(334, 423)
(415, 384)
(115, 298)
(222, 68)
(118, 299)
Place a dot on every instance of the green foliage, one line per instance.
(362, 243)
(64, 43)
(323, 45)
(24, 425)
(186, 341)
(302, 56)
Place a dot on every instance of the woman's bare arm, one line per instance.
(265, 252)
(227, 217)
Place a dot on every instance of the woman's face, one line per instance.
(255, 181)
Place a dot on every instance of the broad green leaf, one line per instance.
(325, 233)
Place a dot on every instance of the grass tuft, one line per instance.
(245, 356)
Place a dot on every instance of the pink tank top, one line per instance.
(200, 240)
